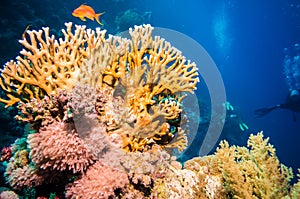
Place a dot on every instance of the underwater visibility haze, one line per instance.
(150, 99)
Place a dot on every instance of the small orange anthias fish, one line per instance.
(86, 11)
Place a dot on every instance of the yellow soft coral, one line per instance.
(256, 172)
(295, 191)
(253, 172)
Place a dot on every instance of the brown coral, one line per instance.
(6, 153)
(44, 112)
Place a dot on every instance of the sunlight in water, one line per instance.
(220, 27)
(221, 30)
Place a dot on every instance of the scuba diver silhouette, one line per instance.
(291, 69)
(292, 103)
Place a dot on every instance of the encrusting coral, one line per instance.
(105, 116)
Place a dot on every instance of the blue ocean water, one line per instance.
(244, 38)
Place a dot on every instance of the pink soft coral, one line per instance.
(99, 181)
(58, 147)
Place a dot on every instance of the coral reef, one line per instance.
(21, 172)
(241, 172)
(152, 74)
(67, 151)
(104, 118)
(99, 181)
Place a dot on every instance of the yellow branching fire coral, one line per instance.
(145, 73)
(150, 76)
(47, 64)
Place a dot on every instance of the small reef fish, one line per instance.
(86, 11)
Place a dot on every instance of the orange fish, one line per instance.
(86, 11)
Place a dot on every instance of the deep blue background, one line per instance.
(244, 38)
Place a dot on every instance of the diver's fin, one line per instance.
(97, 17)
(243, 126)
(264, 111)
